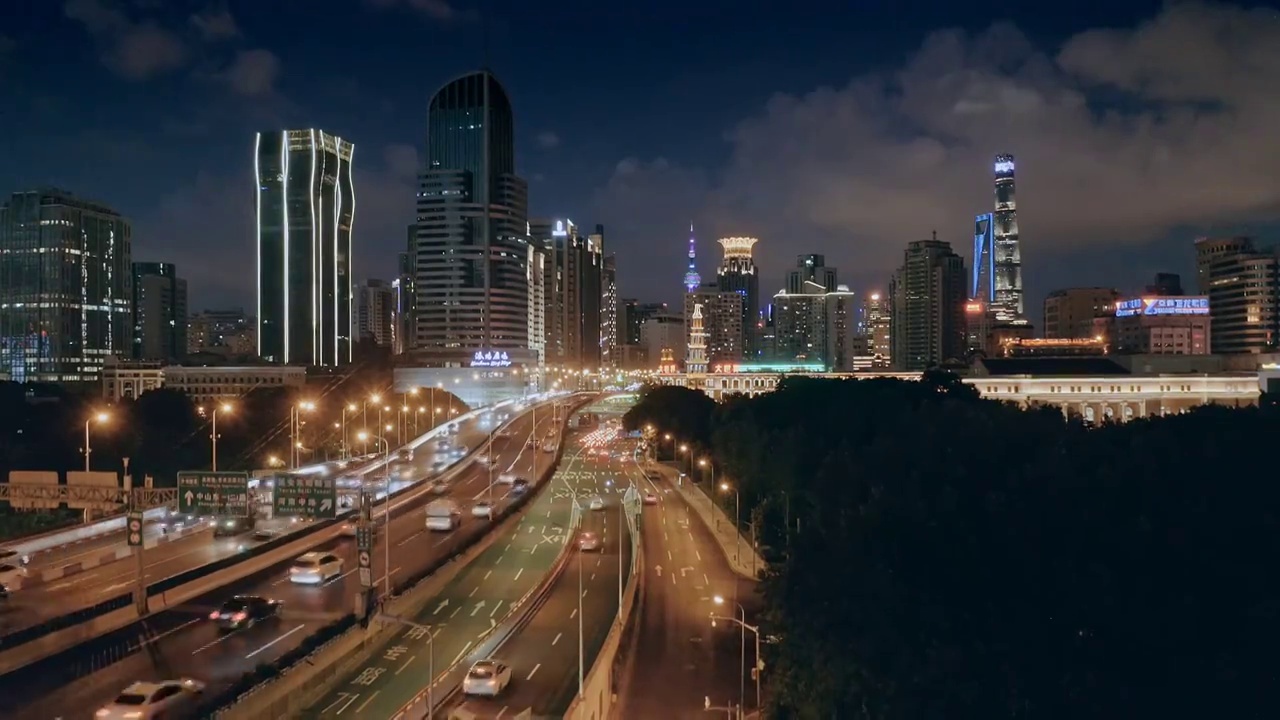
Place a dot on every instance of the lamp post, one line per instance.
(755, 630)
(224, 407)
(386, 509)
(99, 417)
(346, 445)
(295, 430)
(737, 518)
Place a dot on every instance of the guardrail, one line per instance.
(61, 633)
(292, 692)
(65, 536)
(598, 696)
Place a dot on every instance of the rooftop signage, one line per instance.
(1163, 305)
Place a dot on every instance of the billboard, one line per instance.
(34, 481)
(1164, 305)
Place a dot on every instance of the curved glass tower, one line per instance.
(471, 246)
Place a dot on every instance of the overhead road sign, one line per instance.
(304, 496)
(224, 494)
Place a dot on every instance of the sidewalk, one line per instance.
(743, 559)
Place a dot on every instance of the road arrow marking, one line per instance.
(685, 571)
(477, 609)
(443, 604)
(659, 569)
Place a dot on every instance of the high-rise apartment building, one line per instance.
(471, 247)
(877, 314)
(159, 312)
(610, 355)
(737, 273)
(816, 326)
(227, 332)
(927, 325)
(1069, 313)
(574, 276)
(406, 294)
(305, 205)
(1210, 249)
(66, 291)
(811, 268)
(663, 331)
(722, 319)
(376, 319)
(538, 278)
(843, 315)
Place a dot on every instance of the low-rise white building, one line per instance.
(128, 380)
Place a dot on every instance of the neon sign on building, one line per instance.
(1161, 305)
(490, 359)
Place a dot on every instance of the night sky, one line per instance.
(811, 125)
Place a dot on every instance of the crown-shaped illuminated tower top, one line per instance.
(692, 279)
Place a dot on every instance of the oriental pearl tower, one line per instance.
(691, 278)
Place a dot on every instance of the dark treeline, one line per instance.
(936, 555)
(163, 432)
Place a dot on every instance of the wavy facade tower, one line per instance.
(1006, 247)
(305, 205)
(471, 245)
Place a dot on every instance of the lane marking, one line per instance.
(534, 670)
(494, 611)
(557, 638)
(406, 664)
(464, 650)
(273, 642)
(695, 552)
(518, 573)
(487, 574)
(573, 614)
(220, 638)
(366, 702)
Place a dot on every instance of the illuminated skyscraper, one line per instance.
(1006, 266)
(737, 273)
(983, 288)
(472, 243)
(691, 278)
(305, 205)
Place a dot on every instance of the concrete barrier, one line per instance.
(67, 536)
(600, 686)
(738, 550)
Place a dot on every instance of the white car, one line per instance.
(507, 478)
(11, 575)
(348, 529)
(488, 678)
(485, 459)
(549, 446)
(482, 509)
(597, 503)
(13, 557)
(147, 700)
(315, 568)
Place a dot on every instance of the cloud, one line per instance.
(401, 161)
(547, 140)
(133, 50)
(433, 9)
(1121, 136)
(215, 24)
(253, 72)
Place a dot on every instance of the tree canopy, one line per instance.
(940, 555)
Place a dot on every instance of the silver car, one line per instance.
(487, 678)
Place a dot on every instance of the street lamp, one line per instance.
(226, 408)
(346, 450)
(100, 417)
(295, 429)
(755, 630)
(737, 517)
(386, 508)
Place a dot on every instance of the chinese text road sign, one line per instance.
(311, 497)
(133, 529)
(213, 493)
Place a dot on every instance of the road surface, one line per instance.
(679, 658)
(544, 655)
(182, 643)
(468, 607)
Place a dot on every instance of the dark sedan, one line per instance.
(244, 611)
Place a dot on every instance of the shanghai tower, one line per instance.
(1007, 263)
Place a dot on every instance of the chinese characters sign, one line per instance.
(310, 497)
(213, 493)
(490, 358)
(1189, 305)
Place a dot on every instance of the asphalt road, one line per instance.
(469, 606)
(544, 655)
(679, 658)
(182, 643)
(38, 603)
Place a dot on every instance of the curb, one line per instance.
(740, 567)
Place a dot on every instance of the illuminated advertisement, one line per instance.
(1160, 305)
(490, 359)
(559, 231)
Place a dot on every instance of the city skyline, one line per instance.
(653, 183)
